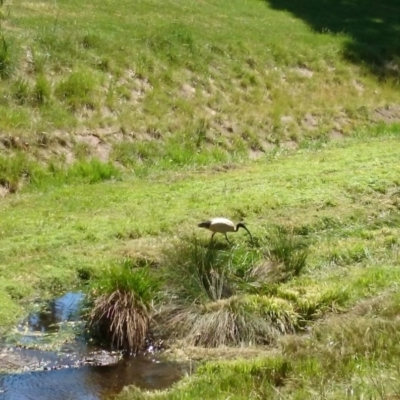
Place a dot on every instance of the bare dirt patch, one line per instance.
(96, 145)
(188, 91)
(310, 122)
(388, 114)
(3, 191)
(289, 144)
(304, 72)
(336, 135)
(255, 154)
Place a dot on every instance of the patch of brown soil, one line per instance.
(188, 91)
(96, 145)
(388, 114)
(3, 191)
(255, 154)
(63, 153)
(14, 142)
(310, 122)
(358, 85)
(289, 144)
(303, 71)
(336, 135)
(287, 119)
(139, 85)
(266, 145)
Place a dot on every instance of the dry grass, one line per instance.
(121, 306)
(239, 320)
(121, 319)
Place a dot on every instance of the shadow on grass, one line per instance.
(373, 28)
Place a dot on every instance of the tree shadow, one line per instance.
(372, 26)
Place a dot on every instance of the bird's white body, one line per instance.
(221, 225)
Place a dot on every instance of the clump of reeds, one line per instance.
(121, 306)
(238, 320)
(217, 295)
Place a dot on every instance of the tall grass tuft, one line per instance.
(77, 90)
(17, 169)
(5, 59)
(211, 302)
(21, 91)
(238, 320)
(287, 254)
(42, 90)
(91, 171)
(121, 306)
(204, 270)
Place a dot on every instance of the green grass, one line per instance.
(211, 79)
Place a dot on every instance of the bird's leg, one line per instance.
(226, 237)
(212, 236)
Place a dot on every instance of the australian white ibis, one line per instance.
(222, 225)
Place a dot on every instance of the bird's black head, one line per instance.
(205, 224)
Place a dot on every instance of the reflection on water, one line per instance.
(63, 309)
(69, 382)
(58, 318)
(92, 383)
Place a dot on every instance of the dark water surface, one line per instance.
(89, 382)
(55, 375)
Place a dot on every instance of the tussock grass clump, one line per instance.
(239, 320)
(16, 169)
(357, 352)
(211, 302)
(287, 253)
(90, 171)
(122, 301)
(285, 257)
(199, 272)
(78, 89)
(5, 58)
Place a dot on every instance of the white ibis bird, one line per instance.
(222, 225)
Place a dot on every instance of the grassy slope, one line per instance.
(201, 74)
